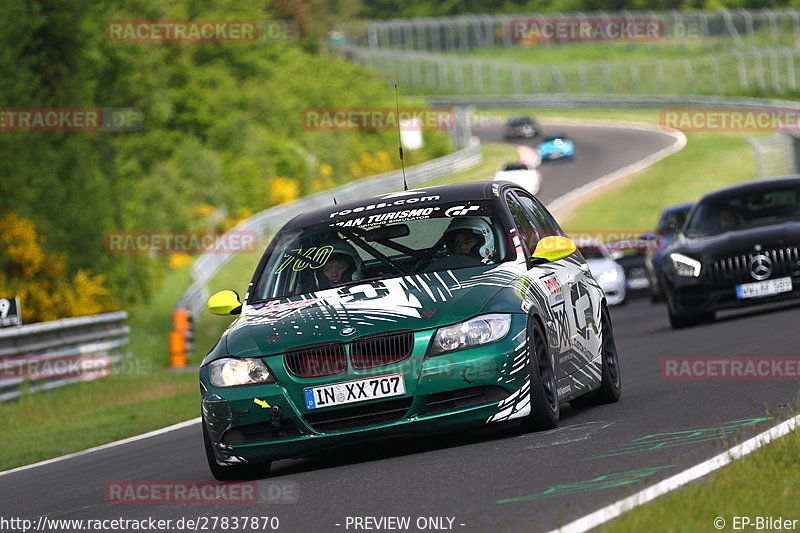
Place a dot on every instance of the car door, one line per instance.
(547, 283)
(582, 295)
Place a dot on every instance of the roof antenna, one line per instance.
(399, 138)
(334, 201)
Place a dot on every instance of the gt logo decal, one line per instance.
(460, 210)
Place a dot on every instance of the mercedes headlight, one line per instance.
(685, 265)
(474, 332)
(229, 372)
(608, 276)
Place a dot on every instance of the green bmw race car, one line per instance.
(419, 311)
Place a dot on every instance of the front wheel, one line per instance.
(545, 410)
(238, 472)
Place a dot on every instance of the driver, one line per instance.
(729, 219)
(469, 242)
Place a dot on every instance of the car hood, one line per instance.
(737, 242)
(415, 302)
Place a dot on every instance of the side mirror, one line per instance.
(225, 303)
(668, 226)
(554, 248)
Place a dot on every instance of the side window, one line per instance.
(541, 216)
(526, 230)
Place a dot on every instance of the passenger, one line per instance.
(342, 266)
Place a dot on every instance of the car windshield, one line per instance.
(357, 248)
(743, 210)
(555, 137)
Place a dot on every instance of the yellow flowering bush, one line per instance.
(41, 279)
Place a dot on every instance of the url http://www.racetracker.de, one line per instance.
(44, 524)
(756, 523)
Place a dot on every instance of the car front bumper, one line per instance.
(695, 296)
(461, 389)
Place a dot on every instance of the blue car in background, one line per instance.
(556, 146)
(670, 222)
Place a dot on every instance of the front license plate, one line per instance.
(355, 391)
(764, 288)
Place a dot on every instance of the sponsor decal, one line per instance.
(381, 205)
(460, 210)
(469, 375)
(392, 216)
(552, 285)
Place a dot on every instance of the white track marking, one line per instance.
(601, 516)
(153, 433)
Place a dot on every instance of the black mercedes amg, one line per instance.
(739, 247)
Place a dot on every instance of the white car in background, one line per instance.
(608, 273)
(522, 174)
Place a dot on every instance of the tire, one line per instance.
(239, 472)
(545, 409)
(611, 381)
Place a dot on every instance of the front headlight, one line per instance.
(474, 332)
(685, 265)
(608, 276)
(229, 372)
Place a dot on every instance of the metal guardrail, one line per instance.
(774, 68)
(269, 220)
(462, 33)
(52, 354)
(614, 101)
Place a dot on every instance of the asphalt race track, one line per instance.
(497, 480)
